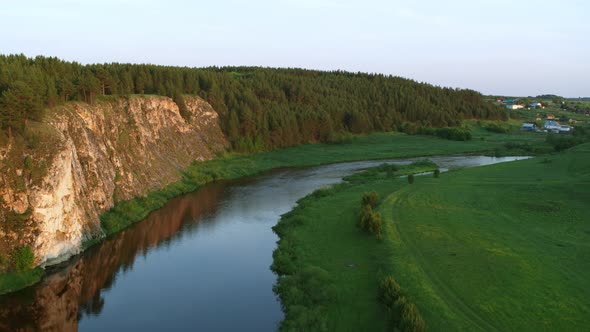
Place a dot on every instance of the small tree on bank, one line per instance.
(411, 178)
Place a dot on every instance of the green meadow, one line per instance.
(496, 248)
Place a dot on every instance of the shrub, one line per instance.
(23, 259)
(366, 215)
(389, 291)
(561, 143)
(370, 221)
(304, 296)
(496, 127)
(404, 315)
(28, 162)
(411, 178)
(436, 173)
(370, 199)
(411, 320)
(375, 224)
(396, 309)
(389, 169)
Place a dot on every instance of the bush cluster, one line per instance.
(404, 315)
(450, 133)
(369, 220)
(304, 296)
(560, 142)
(496, 127)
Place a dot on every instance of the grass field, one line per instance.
(496, 248)
(503, 247)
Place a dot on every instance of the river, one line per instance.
(199, 263)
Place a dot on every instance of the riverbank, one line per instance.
(232, 166)
(328, 267)
(501, 247)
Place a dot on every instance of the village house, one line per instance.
(514, 107)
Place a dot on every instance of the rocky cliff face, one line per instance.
(86, 157)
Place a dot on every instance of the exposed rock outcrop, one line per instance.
(89, 156)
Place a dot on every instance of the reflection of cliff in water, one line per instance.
(74, 291)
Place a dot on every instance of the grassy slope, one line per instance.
(502, 247)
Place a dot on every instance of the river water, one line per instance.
(200, 263)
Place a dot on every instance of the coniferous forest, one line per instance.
(259, 108)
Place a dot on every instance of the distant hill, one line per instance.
(548, 96)
(259, 108)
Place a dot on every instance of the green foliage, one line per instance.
(10, 282)
(496, 127)
(411, 320)
(370, 199)
(563, 142)
(411, 178)
(370, 221)
(28, 162)
(183, 109)
(404, 314)
(389, 291)
(436, 173)
(452, 133)
(304, 296)
(259, 108)
(23, 259)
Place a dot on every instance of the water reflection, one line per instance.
(74, 290)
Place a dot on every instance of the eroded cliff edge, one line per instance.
(85, 157)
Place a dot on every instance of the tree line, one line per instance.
(259, 108)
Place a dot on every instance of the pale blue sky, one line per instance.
(493, 46)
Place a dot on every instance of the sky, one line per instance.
(516, 47)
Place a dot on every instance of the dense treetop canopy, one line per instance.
(259, 108)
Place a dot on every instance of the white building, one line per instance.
(514, 107)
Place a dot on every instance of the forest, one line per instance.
(260, 108)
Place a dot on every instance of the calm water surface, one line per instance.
(200, 263)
